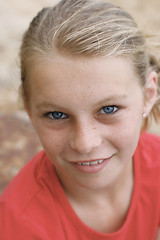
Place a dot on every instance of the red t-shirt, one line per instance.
(35, 207)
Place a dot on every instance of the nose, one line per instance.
(85, 138)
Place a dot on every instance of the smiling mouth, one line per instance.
(90, 163)
(91, 166)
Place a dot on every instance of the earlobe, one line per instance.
(150, 92)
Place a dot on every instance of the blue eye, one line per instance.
(56, 115)
(109, 109)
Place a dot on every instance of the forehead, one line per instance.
(89, 67)
(84, 77)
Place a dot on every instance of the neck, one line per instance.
(104, 210)
(122, 187)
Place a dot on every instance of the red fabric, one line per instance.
(34, 205)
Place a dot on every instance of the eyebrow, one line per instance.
(45, 104)
(113, 98)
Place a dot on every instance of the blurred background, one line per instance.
(18, 141)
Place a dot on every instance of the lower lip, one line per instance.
(92, 168)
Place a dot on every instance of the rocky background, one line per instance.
(18, 141)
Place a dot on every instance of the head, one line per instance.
(63, 53)
(88, 28)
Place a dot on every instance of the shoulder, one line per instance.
(150, 138)
(149, 145)
(29, 205)
(26, 184)
(147, 154)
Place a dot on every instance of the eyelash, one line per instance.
(50, 115)
(62, 115)
(104, 109)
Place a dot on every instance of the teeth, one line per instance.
(100, 161)
(86, 163)
(91, 163)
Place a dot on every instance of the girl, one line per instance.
(89, 83)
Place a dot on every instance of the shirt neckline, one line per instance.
(77, 222)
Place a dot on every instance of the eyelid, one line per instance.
(116, 108)
(55, 119)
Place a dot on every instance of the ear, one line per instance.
(28, 110)
(29, 113)
(150, 92)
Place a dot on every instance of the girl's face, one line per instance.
(88, 114)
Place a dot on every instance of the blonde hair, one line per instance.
(88, 28)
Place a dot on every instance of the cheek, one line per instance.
(125, 133)
(54, 143)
